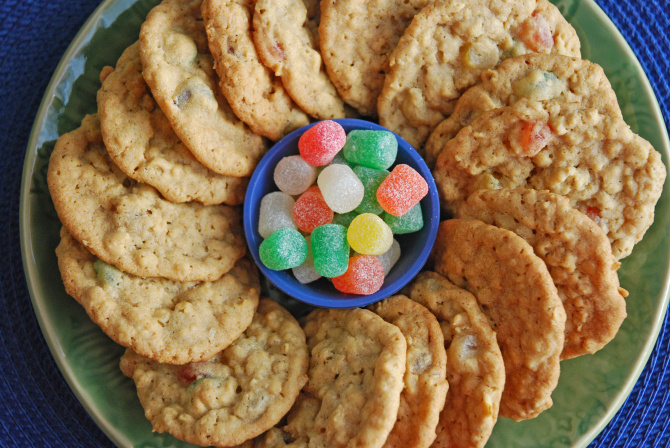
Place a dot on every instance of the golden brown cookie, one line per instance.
(514, 289)
(447, 47)
(576, 252)
(130, 225)
(141, 142)
(425, 383)
(177, 66)
(238, 394)
(167, 321)
(254, 93)
(475, 368)
(606, 171)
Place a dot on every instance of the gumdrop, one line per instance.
(330, 250)
(371, 179)
(305, 273)
(293, 175)
(341, 188)
(368, 234)
(412, 221)
(311, 211)
(344, 219)
(364, 275)
(319, 144)
(276, 212)
(284, 249)
(401, 190)
(374, 149)
(390, 257)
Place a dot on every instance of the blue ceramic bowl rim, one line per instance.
(310, 293)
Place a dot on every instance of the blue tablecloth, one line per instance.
(37, 409)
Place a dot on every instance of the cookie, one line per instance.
(177, 66)
(425, 382)
(538, 77)
(606, 171)
(355, 378)
(167, 321)
(447, 47)
(357, 38)
(254, 93)
(576, 252)
(514, 289)
(287, 41)
(234, 396)
(129, 224)
(475, 368)
(142, 144)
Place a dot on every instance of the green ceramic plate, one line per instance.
(591, 388)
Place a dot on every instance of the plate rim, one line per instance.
(49, 333)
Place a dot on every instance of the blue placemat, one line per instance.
(37, 409)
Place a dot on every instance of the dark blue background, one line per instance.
(37, 409)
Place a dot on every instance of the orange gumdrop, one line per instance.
(365, 275)
(401, 190)
(311, 211)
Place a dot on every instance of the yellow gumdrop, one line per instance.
(368, 234)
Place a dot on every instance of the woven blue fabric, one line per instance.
(37, 409)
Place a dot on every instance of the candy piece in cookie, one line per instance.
(177, 66)
(514, 289)
(141, 142)
(606, 171)
(425, 381)
(167, 321)
(253, 91)
(535, 76)
(130, 225)
(287, 41)
(576, 252)
(357, 37)
(238, 394)
(355, 378)
(447, 47)
(475, 368)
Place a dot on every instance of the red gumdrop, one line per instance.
(311, 211)
(401, 190)
(365, 275)
(320, 143)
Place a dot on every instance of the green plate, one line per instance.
(591, 388)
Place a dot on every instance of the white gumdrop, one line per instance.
(390, 257)
(293, 175)
(305, 273)
(276, 212)
(341, 188)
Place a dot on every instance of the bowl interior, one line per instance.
(415, 247)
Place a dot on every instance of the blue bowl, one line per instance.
(415, 247)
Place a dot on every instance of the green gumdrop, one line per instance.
(284, 249)
(330, 250)
(412, 221)
(374, 149)
(108, 274)
(371, 178)
(344, 219)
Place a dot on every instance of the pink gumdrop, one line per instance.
(365, 275)
(311, 211)
(320, 143)
(401, 190)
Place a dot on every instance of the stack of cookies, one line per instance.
(547, 187)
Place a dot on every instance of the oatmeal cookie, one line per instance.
(576, 252)
(167, 321)
(238, 394)
(475, 368)
(254, 93)
(425, 381)
(447, 47)
(143, 145)
(129, 224)
(357, 37)
(177, 66)
(538, 77)
(287, 41)
(606, 171)
(514, 289)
